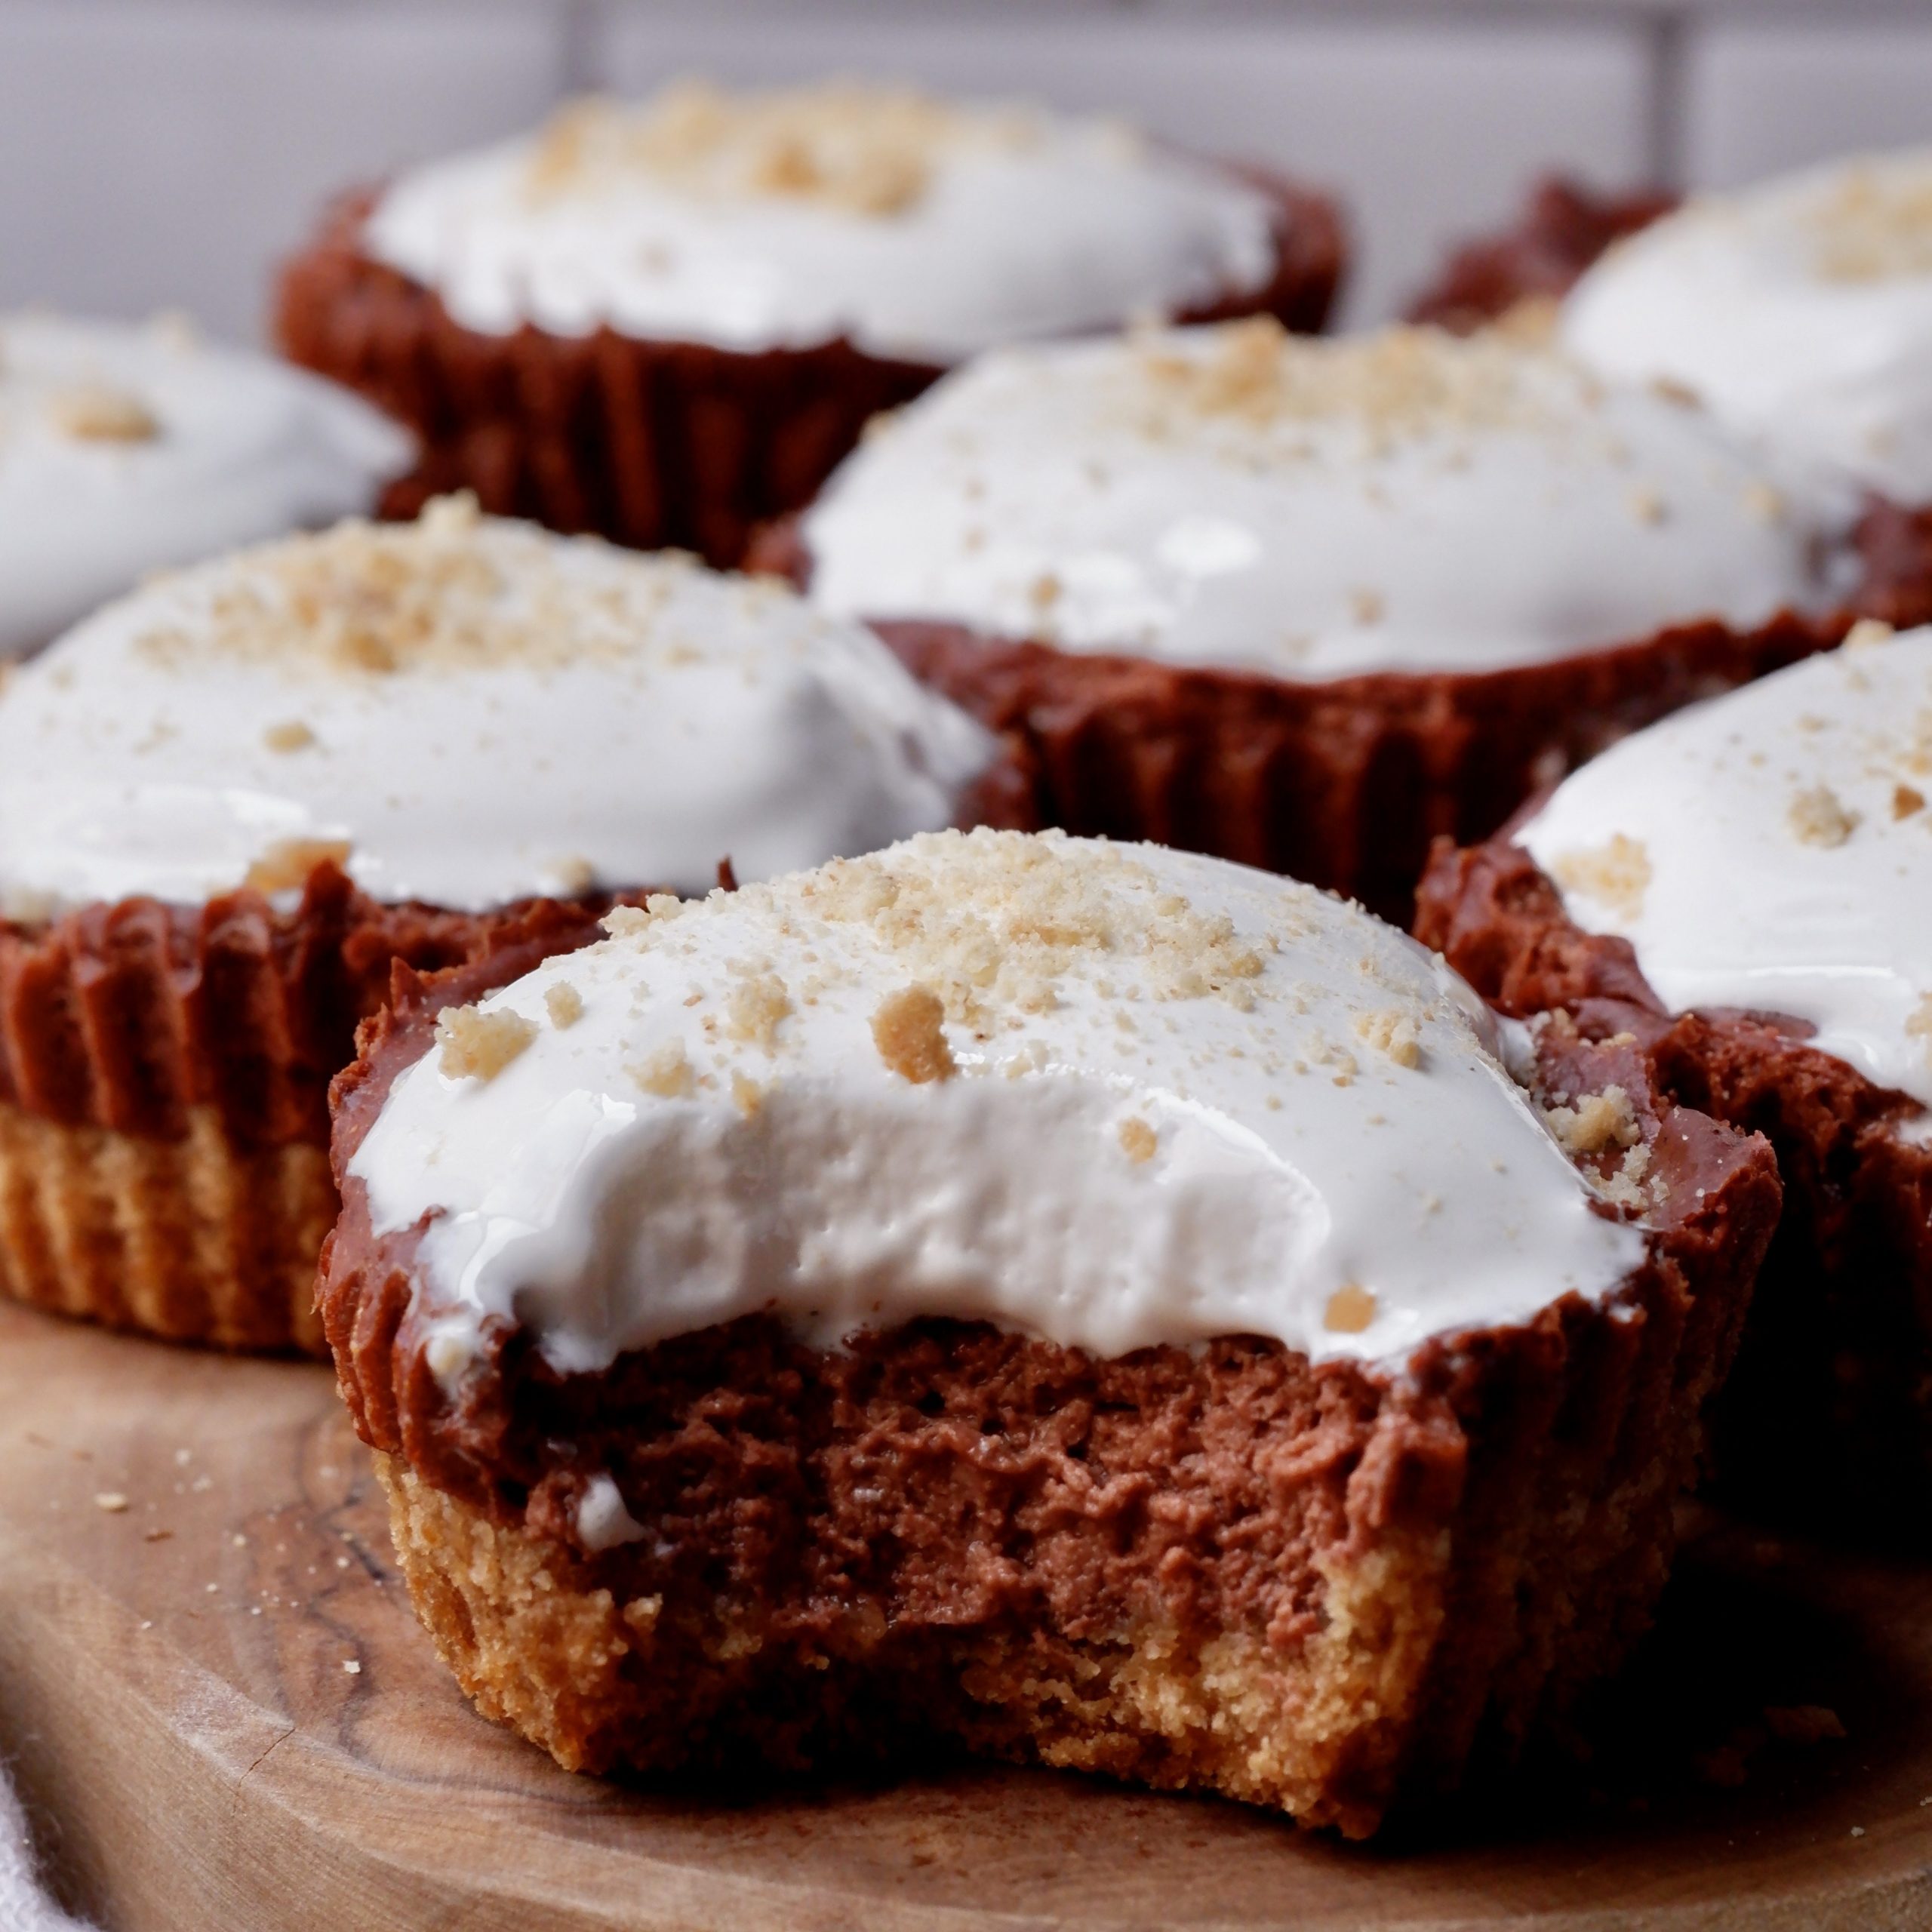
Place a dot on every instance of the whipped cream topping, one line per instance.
(1772, 850)
(125, 449)
(1111, 1096)
(462, 711)
(783, 220)
(1800, 311)
(1403, 501)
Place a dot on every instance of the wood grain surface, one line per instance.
(225, 1719)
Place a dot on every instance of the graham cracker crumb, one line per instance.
(1596, 1123)
(908, 1030)
(565, 1004)
(294, 736)
(754, 1008)
(1818, 817)
(94, 414)
(667, 1073)
(1351, 1309)
(477, 1045)
(747, 1094)
(1616, 875)
(1137, 1139)
(1869, 631)
(1646, 506)
(623, 920)
(1906, 799)
(286, 865)
(1391, 1034)
(111, 1501)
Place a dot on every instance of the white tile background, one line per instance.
(160, 152)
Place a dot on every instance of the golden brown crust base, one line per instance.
(191, 1239)
(164, 1078)
(652, 443)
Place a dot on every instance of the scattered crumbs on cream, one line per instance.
(1351, 1309)
(291, 736)
(1596, 1123)
(1869, 631)
(111, 1501)
(1763, 501)
(1616, 875)
(565, 1004)
(622, 920)
(286, 865)
(909, 1028)
(754, 1007)
(1818, 817)
(477, 1045)
(747, 1096)
(1138, 1140)
(1646, 506)
(1906, 799)
(1391, 1034)
(95, 413)
(667, 1072)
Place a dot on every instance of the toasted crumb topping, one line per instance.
(1138, 1140)
(1818, 817)
(747, 1096)
(94, 414)
(286, 865)
(1395, 383)
(1617, 875)
(377, 600)
(1391, 1034)
(1907, 799)
(1869, 631)
(293, 736)
(860, 149)
(908, 1029)
(1596, 1123)
(477, 1045)
(667, 1073)
(1875, 225)
(1351, 1309)
(754, 1008)
(565, 1004)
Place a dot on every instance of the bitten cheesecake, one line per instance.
(125, 449)
(230, 802)
(1744, 888)
(1102, 1304)
(667, 320)
(1306, 605)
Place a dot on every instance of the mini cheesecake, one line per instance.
(1744, 890)
(1306, 605)
(125, 449)
(667, 322)
(229, 803)
(1098, 1303)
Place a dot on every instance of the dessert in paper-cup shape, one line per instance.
(1743, 889)
(1307, 604)
(1564, 227)
(1102, 1304)
(1799, 312)
(230, 802)
(126, 448)
(667, 322)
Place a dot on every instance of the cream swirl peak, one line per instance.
(1801, 312)
(1112, 1095)
(788, 219)
(1772, 850)
(125, 449)
(462, 710)
(1404, 501)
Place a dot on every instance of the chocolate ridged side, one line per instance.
(654, 444)
(1829, 1413)
(1318, 1586)
(163, 1083)
(1562, 229)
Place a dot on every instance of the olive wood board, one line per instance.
(223, 1716)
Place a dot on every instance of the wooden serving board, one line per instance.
(224, 1717)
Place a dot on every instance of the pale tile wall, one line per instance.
(161, 152)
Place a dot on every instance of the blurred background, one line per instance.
(162, 153)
